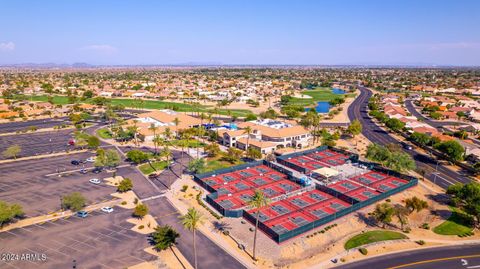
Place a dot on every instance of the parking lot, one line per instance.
(37, 143)
(11, 127)
(101, 240)
(36, 186)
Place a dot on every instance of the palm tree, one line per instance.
(157, 141)
(154, 129)
(257, 201)
(191, 221)
(167, 133)
(176, 121)
(248, 130)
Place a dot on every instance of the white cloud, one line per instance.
(8, 46)
(107, 49)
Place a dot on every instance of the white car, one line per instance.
(95, 181)
(107, 209)
(90, 160)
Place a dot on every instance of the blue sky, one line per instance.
(240, 32)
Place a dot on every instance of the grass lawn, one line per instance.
(456, 224)
(147, 104)
(192, 143)
(318, 94)
(371, 237)
(217, 163)
(147, 169)
(104, 133)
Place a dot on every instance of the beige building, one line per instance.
(162, 119)
(267, 135)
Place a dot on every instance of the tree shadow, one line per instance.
(368, 220)
(440, 198)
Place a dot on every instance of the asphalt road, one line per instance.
(209, 255)
(101, 240)
(438, 174)
(15, 126)
(453, 257)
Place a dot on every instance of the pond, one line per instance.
(324, 106)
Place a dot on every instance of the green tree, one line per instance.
(112, 158)
(254, 153)
(395, 124)
(191, 221)
(401, 162)
(401, 213)
(467, 197)
(125, 185)
(383, 213)
(396, 160)
(12, 151)
(452, 149)
(164, 237)
(420, 138)
(93, 142)
(8, 212)
(74, 201)
(137, 156)
(415, 204)
(140, 211)
(196, 165)
(212, 149)
(258, 200)
(233, 155)
(355, 128)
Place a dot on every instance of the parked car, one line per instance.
(95, 181)
(82, 214)
(90, 159)
(107, 209)
(406, 146)
(97, 170)
(71, 142)
(83, 171)
(153, 176)
(75, 162)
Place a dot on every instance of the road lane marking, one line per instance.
(434, 260)
(474, 266)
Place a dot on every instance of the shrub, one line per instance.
(364, 251)
(426, 226)
(123, 203)
(135, 201)
(184, 188)
(141, 227)
(125, 185)
(420, 242)
(388, 200)
(200, 202)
